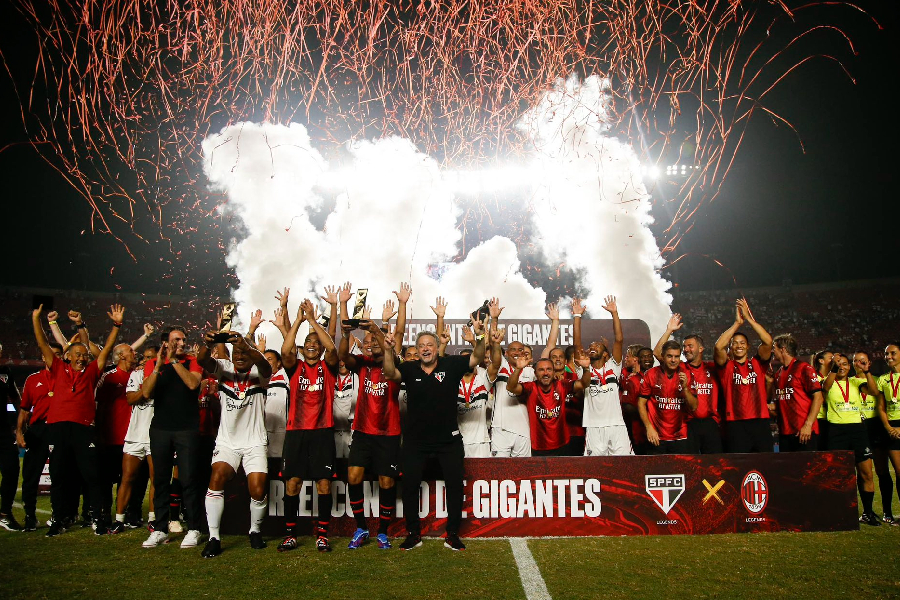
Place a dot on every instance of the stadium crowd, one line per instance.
(194, 404)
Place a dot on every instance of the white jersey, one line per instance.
(243, 398)
(346, 388)
(602, 407)
(276, 411)
(141, 413)
(471, 408)
(510, 414)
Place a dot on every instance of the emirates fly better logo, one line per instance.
(755, 492)
(665, 489)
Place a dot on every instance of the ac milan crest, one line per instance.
(754, 492)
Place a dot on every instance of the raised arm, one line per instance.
(765, 347)
(402, 299)
(149, 384)
(331, 355)
(583, 361)
(204, 356)
(282, 298)
(444, 338)
(512, 385)
(256, 320)
(331, 297)
(497, 337)
(116, 314)
(478, 353)
(389, 366)
(52, 316)
(148, 331)
(720, 352)
(440, 309)
(83, 335)
(673, 325)
(618, 338)
(259, 359)
(577, 314)
(289, 345)
(552, 314)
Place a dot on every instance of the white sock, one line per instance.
(151, 517)
(120, 518)
(215, 506)
(258, 509)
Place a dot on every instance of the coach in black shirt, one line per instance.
(431, 429)
(173, 381)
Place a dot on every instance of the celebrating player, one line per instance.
(666, 400)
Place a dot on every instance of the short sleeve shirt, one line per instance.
(73, 393)
(744, 388)
(795, 386)
(432, 401)
(175, 406)
(666, 406)
(547, 413)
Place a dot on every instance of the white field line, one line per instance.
(37, 510)
(532, 582)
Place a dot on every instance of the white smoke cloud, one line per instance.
(395, 216)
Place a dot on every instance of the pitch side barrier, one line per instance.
(601, 496)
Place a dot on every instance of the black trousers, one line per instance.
(704, 436)
(450, 458)
(38, 443)
(163, 445)
(110, 475)
(74, 453)
(9, 472)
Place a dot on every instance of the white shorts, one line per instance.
(253, 459)
(607, 441)
(508, 444)
(478, 450)
(138, 449)
(342, 440)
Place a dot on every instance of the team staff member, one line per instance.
(846, 430)
(888, 410)
(744, 385)
(309, 451)
(798, 395)
(32, 434)
(241, 440)
(173, 381)
(71, 416)
(431, 429)
(9, 451)
(547, 398)
(665, 402)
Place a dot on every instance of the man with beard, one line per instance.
(431, 428)
(704, 434)
(798, 395)
(309, 437)
(666, 400)
(241, 440)
(638, 360)
(71, 417)
(562, 369)
(744, 384)
(605, 431)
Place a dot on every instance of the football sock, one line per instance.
(175, 500)
(387, 499)
(215, 506)
(357, 499)
(867, 498)
(257, 513)
(120, 518)
(324, 516)
(291, 508)
(886, 487)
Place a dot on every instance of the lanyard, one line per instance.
(467, 390)
(846, 394)
(242, 390)
(895, 387)
(344, 382)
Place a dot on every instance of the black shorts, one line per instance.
(850, 436)
(878, 435)
(670, 447)
(704, 436)
(749, 435)
(561, 451)
(892, 443)
(309, 454)
(791, 443)
(375, 453)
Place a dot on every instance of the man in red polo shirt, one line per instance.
(71, 416)
(546, 400)
(744, 385)
(798, 395)
(32, 434)
(665, 402)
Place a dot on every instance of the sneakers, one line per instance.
(413, 540)
(383, 542)
(56, 528)
(134, 523)
(887, 519)
(288, 543)
(30, 523)
(870, 518)
(9, 523)
(212, 549)
(156, 538)
(360, 537)
(117, 527)
(100, 528)
(191, 539)
(322, 544)
(256, 540)
(176, 527)
(453, 542)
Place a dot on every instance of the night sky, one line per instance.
(823, 215)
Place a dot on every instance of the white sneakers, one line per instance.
(191, 539)
(175, 527)
(156, 538)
